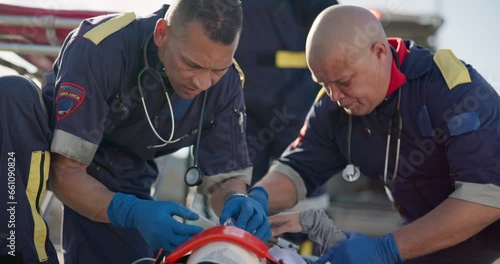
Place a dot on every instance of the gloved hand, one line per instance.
(153, 220)
(250, 212)
(360, 249)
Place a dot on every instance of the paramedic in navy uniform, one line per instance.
(109, 70)
(279, 89)
(444, 177)
(24, 169)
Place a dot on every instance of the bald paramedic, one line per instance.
(427, 125)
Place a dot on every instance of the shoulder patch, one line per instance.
(109, 27)
(464, 123)
(240, 72)
(453, 70)
(320, 94)
(69, 98)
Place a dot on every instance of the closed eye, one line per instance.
(345, 83)
(194, 66)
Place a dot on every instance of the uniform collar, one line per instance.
(397, 77)
(418, 62)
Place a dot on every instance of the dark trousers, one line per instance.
(24, 169)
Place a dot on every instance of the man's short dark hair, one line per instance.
(221, 19)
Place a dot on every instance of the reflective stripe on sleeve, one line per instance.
(485, 194)
(294, 176)
(210, 183)
(73, 147)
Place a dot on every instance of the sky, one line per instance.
(471, 28)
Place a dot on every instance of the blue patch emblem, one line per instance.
(463, 123)
(69, 98)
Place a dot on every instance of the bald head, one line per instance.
(348, 54)
(345, 29)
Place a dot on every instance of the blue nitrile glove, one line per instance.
(249, 212)
(153, 220)
(360, 249)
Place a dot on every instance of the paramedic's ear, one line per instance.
(380, 50)
(162, 32)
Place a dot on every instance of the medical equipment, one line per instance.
(352, 173)
(283, 243)
(230, 234)
(193, 175)
(398, 144)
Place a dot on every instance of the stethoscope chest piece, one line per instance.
(193, 176)
(351, 173)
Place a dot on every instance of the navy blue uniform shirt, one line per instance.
(450, 142)
(98, 118)
(278, 92)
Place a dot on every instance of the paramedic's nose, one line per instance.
(335, 93)
(203, 81)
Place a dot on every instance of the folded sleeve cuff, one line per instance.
(73, 147)
(293, 175)
(320, 228)
(212, 182)
(485, 194)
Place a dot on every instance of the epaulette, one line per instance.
(453, 70)
(240, 72)
(109, 27)
(290, 59)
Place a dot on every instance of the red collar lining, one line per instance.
(397, 77)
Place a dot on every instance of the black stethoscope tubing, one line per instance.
(194, 175)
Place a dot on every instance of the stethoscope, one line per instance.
(193, 175)
(352, 173)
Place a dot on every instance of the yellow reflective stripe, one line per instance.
(240, 72)
(109, 27)
(320, 94)
(290, 59)
(37, 178)
(453, 70)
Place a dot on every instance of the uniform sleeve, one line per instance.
(313, 157)
(80, 103)
(467, 118)
(223, 151)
